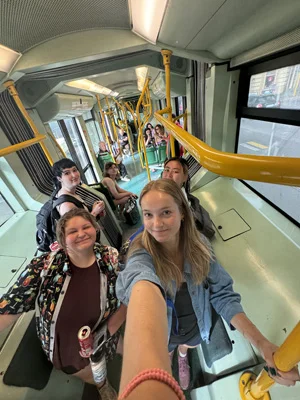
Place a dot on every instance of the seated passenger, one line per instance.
(102, 149)
(66, 180)
(119, 195)
(152, 130)
(64, 288)
(160, 135)
(176, 168)
(171, 254)
(148, 139)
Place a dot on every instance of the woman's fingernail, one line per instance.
(273, 371)
(266, 368)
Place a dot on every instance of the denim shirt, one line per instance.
(215, 291)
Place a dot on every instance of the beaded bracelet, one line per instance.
(156, 374)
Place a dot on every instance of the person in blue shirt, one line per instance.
(173, 255)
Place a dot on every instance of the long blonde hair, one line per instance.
(194, 247)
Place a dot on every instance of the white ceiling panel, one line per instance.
(184, 19)
(231, 14)
(240, 25)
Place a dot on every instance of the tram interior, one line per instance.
(213, 42)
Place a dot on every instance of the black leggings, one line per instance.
(122, 169)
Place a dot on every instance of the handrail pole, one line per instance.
(140, 126)
(121, 106)
(110, 114)
(22, 145)
(285, 358)
(10, 85)
(131, 110)
(167, 59)
(279, 170)
(104, 128)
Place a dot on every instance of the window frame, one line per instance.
(276, 115)
(9, 205)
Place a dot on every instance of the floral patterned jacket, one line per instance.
(43, 285)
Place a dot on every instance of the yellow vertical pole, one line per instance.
(285, 358)
(104, 128)
(122, 108)
(13, 92)
(110, 114)
(167, 59)
(140, 126)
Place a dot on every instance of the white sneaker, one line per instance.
(125, 178)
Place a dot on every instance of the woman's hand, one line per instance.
(98, 208)
(134, 196)
(267, 349)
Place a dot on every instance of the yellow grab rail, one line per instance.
(129, 107)
(13, 92)
(22, 145)
(279, 170)
(122, 108)
(167, 59)
(285, 358)
(141, 142)
(104, 128)
(110, 114)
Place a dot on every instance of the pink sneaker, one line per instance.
(184, 372)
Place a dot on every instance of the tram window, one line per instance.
(272, 139)
(93, 134)
(279, 88)
(56, 130)
(5, 210)
(79, 148)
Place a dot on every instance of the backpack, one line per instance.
(47, 218)
(202, 219)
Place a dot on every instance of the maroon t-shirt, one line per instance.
(81, 306)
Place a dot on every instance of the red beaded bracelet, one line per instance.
(156, 374)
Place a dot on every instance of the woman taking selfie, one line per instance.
(171, 254)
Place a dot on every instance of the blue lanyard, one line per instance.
(171, 304)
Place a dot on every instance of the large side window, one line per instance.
(269, 100)
(93, 129)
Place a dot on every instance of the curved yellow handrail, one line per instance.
(167, 61)
(147, 107)
(104, 128)
(22, 145)
(122, 108)
(280, 170)
(129, 107)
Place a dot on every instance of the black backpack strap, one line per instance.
(69, 199)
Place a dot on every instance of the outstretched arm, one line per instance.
(243, 324)
(146, 342)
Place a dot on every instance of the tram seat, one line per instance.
(28, 353)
